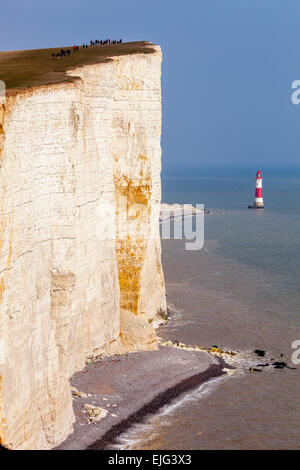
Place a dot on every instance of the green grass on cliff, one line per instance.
(23, 69)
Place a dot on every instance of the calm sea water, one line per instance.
(242, 292)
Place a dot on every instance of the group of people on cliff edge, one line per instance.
(97, 42)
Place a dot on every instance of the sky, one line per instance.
(228, 67)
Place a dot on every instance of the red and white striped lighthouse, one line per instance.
(258, 200)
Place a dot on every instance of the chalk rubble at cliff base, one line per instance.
(123, 385)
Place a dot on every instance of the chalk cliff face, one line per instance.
(79, 236)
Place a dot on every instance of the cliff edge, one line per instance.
(80, 256)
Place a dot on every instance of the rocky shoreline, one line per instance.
(112, 394)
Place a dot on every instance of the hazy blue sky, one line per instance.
(227, 71)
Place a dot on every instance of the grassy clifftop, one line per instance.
(24, 69)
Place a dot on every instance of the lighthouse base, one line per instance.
(255, 207)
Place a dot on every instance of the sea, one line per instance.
(241, 292)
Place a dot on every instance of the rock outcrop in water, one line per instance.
(79, 236)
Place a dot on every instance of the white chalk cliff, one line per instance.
(80, 260)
